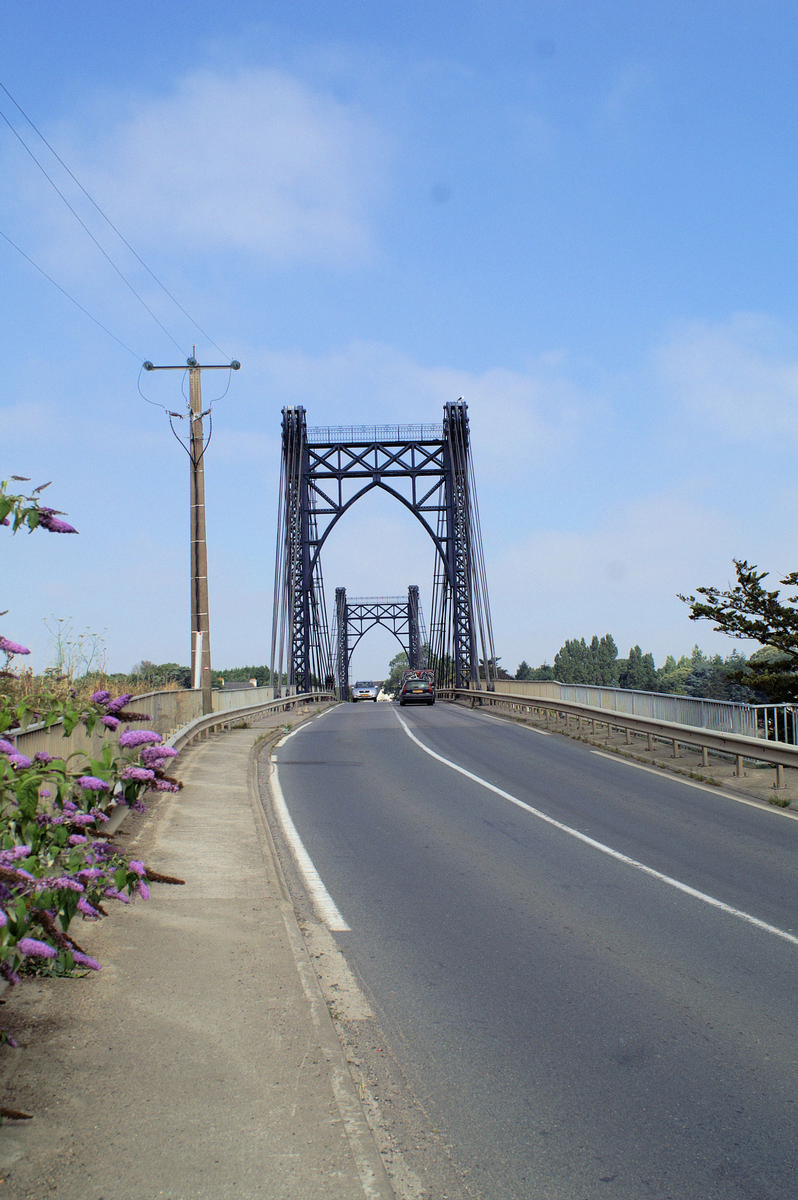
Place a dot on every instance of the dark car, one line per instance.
(417, 689)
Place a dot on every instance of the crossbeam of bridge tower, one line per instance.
(426, 468)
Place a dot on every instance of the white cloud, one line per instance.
(738, 377)
(622, 575)
(255, 162)
(522, 420)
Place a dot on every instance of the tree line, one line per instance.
(746, 610)
(597, 662)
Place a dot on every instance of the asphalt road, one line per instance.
(594, 995)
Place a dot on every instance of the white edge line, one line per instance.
(511, 721)
(762, 805)
(712, 901)
(321, 899)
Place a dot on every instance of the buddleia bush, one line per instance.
(58, 863)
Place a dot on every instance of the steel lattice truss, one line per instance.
(426, 468)
(354, 618)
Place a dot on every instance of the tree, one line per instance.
(397, 665)
(576, 662)
(489, 669)
(748, 610)
(639, 672)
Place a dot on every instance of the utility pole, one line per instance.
(200, 622)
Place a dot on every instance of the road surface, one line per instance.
(587, 971)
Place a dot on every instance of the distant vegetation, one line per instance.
(597, 662)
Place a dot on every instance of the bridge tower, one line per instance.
(354, 618)
(428, 469)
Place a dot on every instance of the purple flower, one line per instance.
(7, 747)
(120, 702)
(12, 647)
(3, 918)
(165, 785)
(77, 839)
(42, 756)
(100, 697)
(81, 819)
(32, 948)
(143, 890)
(9, 975)
(139, 774)
(65, 883)
(82, 960)
(138, 737)
(19, 760)
(92, 784)
(110, 722)
(155, 755)
(87, 909)
(48, 520)
(137, 867)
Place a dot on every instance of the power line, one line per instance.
(69, 297)
(108, 221)
(87, 231)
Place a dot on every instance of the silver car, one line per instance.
(365, 690)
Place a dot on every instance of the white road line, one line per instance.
(712, 901)
(323, 902)
(507, 720)
(702, 787)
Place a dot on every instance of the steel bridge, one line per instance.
(354, 618)
(428, 469)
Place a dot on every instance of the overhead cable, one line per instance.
(69, 297)
(108, 221)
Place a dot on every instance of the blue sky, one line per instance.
(580, 217)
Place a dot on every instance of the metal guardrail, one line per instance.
(728, 716)
(201, 727)
(738, 746)
(169, 714)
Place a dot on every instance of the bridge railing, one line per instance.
(741, 747)
(168, 713)
(777, 722)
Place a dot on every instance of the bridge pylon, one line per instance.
(354, 618)
(428, 469)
